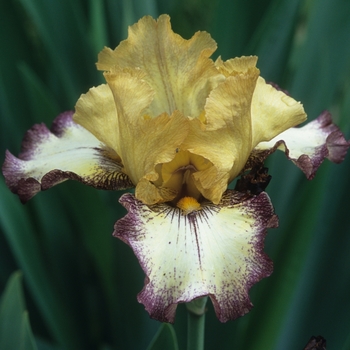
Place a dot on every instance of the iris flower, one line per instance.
(179, 127)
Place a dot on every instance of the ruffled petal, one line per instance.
(97, 113)
(237, 65)
(273, 112)
(229, 104)
(225, 136)
(309, 145)
(178, 70)
(67, 151)
(215, 251)
(144, 142)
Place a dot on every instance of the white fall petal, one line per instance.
(215, 251)
(66, 151)
(309, 145)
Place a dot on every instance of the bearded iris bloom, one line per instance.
(179, 127)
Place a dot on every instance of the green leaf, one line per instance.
(25, 244)
(323, 55)
(61, 28)
(165, 338)
(233, 23)
(15, 330)
(98, 25)
(273, 37)
(43, 105)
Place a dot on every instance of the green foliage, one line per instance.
(165, 338)
(15, 331)
(81, 284)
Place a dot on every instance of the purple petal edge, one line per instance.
(12, 169)
(335, 147)
(27, 187)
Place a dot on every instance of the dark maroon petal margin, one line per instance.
(261, 209)
(335, 148)
(27, 187)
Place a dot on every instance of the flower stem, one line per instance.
(196, 324)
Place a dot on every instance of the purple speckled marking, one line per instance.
(161, 298)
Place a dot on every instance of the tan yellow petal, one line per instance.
(178, 70)
(132, 95)
(228, 105)
(144, 142)
(225, 140)
(151, 194)
(151, 142)
(212, 183)
(96, 112)
(236, 65)
(273, 112)
(179, 173)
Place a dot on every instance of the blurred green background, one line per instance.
(79, 283)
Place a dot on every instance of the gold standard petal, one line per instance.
(178, 70)
(236, 65)
(219, 148)
(228, 105)
(151, 194)
(154, 142)
(96, 112)
(178, 173)
(132, 95)
(181, 160)
(211, 183)
(160, 138)
(67, 151)
(215, 250)
(309, 145)
(144, 142)
(216, 146)
(225, 140)
(273, 112)
(148, 36)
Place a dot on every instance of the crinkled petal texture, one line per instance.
(239, 113)
(173, 121)
(170, 96)
(140, 141)
(215, 251)
(271, 110)
(157, 79)
(309, 145)
(67, 151)
(179, 71)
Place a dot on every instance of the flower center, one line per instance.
(188, 205)
(178, 175)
